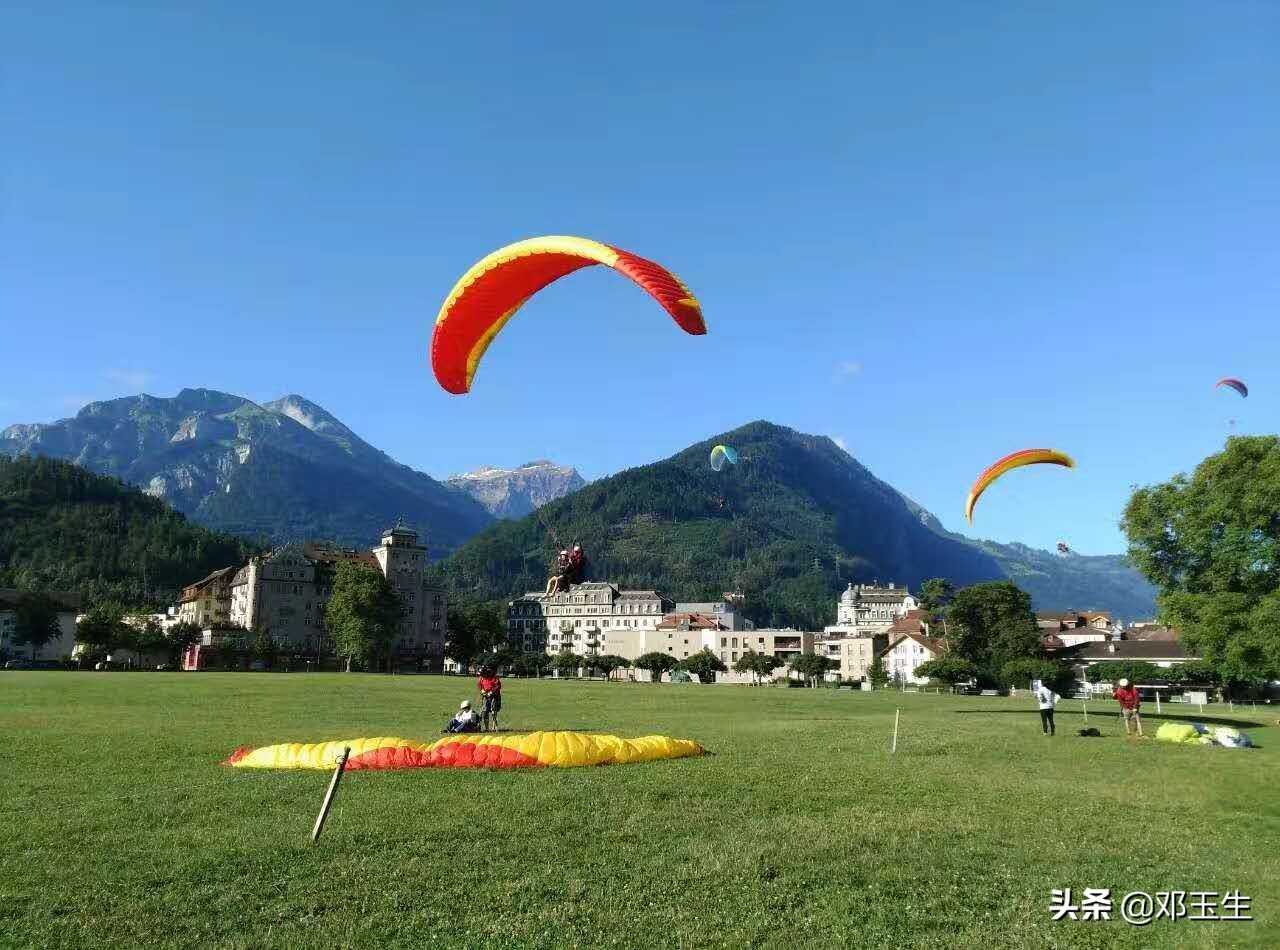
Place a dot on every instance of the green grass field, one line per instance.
(120, 827)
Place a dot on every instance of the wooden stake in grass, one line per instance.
(896, 713)
(1084, 705)
(328, 796)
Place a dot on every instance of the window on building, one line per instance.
(734, 643)
(724, 641)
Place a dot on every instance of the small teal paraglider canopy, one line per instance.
(722, 455)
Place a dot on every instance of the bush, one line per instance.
(1058, 676)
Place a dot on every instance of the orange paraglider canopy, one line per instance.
(1008, 463)
(490, 293)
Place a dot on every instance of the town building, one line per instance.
(207, 602)
(727, 611)
(906, 652)
(868, 609)
(1070, 628)
(284, 594)
(592, 618)
(68, 606)
(1150, 631)
(1163, 653)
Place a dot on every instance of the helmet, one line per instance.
(577, 547)
(465, 704)
(1124, 682)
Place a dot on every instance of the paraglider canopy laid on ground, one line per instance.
(482, 751)
(1197, 733)
(722, 455)
(1008, 464)
(493, 289)
(1235, 384)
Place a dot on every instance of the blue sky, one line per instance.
(938, 232)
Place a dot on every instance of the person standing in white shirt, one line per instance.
(1047, 699)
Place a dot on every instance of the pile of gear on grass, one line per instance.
(1197, 733)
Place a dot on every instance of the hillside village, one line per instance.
(285, 592)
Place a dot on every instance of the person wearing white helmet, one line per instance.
(465, 720)
(1130, 702)
(559, 579)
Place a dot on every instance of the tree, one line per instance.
(181, 636)
(1136, 672)
(657, 664)
(877, 675)
(992, 624)
(474, 629)
(102, 629)
(531, 664)
(935, 594)
(363, 615)
(566, 663)
(35, 621)
(705, 664)
(948, 669)
(757, 664)
(1210, 543)
(1195, 673)
(1019, 674)
(264, 647)
(149, 638)
(609, 662)
(812, 667)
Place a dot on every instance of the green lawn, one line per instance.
(120, 828)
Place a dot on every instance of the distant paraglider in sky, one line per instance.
(1008, 464)
(723, 455)
(1235, 384)
(493, 289)
(1063, 550)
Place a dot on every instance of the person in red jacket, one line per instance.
(491, 690)
(1127, 697)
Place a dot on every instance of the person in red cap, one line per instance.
(491, 690)
(1129, 700)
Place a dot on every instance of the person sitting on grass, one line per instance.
(466, 719)
(490, 687)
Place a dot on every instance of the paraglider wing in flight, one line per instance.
(1007, 464)
(1235, 384)
(722, 454)
(493, 289)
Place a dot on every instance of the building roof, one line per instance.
(65, 599)
(1052, 642)
(1097, 652)
(909, 624)
(191, 591)
(935, 645)
(1150, 631)
(694, 621)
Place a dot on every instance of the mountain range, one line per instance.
(282, 470)
(789, 525)
(515, 492)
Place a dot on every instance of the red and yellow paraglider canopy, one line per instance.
(1233, 383)
(1007, 464)
(493, 289)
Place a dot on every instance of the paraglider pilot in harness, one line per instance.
(559, 579)
(571, 568)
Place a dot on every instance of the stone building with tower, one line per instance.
(285, 591)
